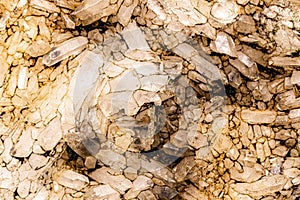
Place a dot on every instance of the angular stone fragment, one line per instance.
(118, 182)
(3, 19)
(287, 100)
(258, 117)
(146, 195)
(37, 161)
(134, 37)
(68, 21)
(91, 11)
(139, 184)
(225, 11)
(164, 192)
(24, 146)
(90, 162)
(183, 168)
(71, 179)
(24, 188)
(294, 114)
(248, 175)
(256, 55)
(266, 186)
(102, 192)
(45, 6)
(224, 44)
(280, 151)
(6, 179)
(197, 140)
(51, 135)
(245, 24)
(70, 47)
(284, 61)
(38, 48)
(3, 70)
(207, 30)
(283, 135)
(125, 12)
(112, 159)
(295, 79)
(222, 143)
(251, 73)
(287, 40)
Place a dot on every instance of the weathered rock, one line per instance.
(45, 6)
(284, 61)
(280, 151)
(50, 135)
(295, 79)
(6, 179)
(249, 174)
(24, 188)
(245, 24)
(24, 146)
(90, 162)
(258, 117)
(139, 184)
(267, 185)
(71, 179)
(37, 161)
(146, 195)
(112, 159)
(183, 168)
(102, 192)
(225, 11)
(118, 182)
(38, 48)
(224, 44)
(125, 12)
(222, 143)
(91, 11)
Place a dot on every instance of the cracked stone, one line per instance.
(71, 179)
(118, 182)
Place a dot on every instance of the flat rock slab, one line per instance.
(71, 179)
(284, 61)
(258, 117)
(119, 182)
(102, 192)
(267, 185)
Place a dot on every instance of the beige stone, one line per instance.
(50, 135)
(38, 48)
(222, 143)
(118, 182)
(267, 185)
(71, 179)
(102, 192)
(248, 174)
(284, 61)
(258, 117)
(45, 6)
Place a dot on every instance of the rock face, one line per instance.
(155, 99)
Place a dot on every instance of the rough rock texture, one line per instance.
(149, 99)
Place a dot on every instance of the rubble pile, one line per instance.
(149, 99)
